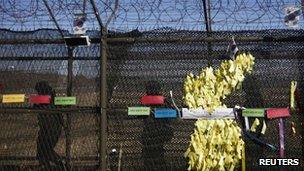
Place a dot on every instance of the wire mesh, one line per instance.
(23, 139)
(169, 62)
(146, 143)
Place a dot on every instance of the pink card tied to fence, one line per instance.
(35, 99)
(277, 113)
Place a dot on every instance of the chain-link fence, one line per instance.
(160, 41)
(165, 56)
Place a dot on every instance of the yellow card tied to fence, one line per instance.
(13, 98)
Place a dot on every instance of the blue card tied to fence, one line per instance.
(165, 113)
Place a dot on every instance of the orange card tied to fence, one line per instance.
(13, 98)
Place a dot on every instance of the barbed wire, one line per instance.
(148, 14)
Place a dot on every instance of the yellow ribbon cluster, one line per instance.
(215, 145)
(209, 88)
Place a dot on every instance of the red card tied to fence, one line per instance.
(1, 87)
(36, 99)
(152, 100)
(277, 113)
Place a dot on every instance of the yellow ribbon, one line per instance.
(243, 159)
(293, 87)
(210, 87)
(215, 145)
(264, 127)
(255, 124)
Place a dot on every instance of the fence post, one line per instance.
(300, 107)
(68, 115)
(103, 99)
(207, 13)
(103, 91)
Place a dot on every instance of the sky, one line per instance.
(149, 14)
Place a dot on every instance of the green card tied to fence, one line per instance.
(137, 111)
(65, 101)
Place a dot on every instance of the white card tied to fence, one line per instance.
(201, 113)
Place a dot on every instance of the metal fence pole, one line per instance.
(207, 15)
(68, 115)
(300, 107)
(103, 91)
(115, 40)
(104, 99)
